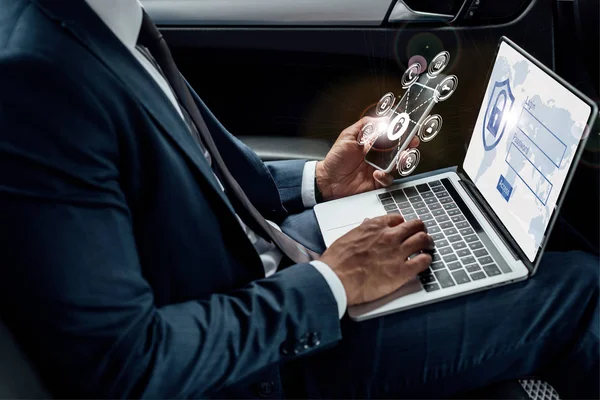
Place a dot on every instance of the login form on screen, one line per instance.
(523, 145)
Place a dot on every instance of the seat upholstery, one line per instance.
(18, 379)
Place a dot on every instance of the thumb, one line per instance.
(383, 178)
(355, 131)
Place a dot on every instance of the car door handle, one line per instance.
(403, 13)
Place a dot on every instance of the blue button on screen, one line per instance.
(504, 188)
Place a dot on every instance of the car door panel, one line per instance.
(313, 81)
(268, 12)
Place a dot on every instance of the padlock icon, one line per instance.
(399, 125)
(497, 114)
(385, 103)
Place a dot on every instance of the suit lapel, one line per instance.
(82, 22)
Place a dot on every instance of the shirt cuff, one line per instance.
(335, 284)
(308, 184)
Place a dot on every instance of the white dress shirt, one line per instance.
(124, 19)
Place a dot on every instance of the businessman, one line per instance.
(146, 252)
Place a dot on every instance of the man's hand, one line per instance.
(372, 259)
(344, 171)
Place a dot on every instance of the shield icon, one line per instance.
(499, 106)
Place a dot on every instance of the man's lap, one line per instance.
(457, 344)
(467, 342)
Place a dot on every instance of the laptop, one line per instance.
(490, 219)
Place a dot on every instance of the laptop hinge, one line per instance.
(494, 221)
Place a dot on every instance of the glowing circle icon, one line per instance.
(438, 64)
(408, 162)
(385, 104)
(430, 127)
(446, 88)
(411, 75)
(368, 134)
(398, 126)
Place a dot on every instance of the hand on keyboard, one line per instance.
(372, 259)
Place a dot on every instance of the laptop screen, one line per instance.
(524, 142)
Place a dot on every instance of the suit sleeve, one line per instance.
(71, 284)
(288, 178)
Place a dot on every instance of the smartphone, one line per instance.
(403, 121)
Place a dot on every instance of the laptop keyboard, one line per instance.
(460, 255)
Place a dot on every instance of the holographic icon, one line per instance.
(446, 88)
(408, 161)
(430, 128)
(438, 64)
(368, 134)
(398, 126)
(385, 104)
(411, 75)
(402, 118)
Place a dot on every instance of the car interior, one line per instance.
(287, 76)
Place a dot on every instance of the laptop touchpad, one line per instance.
(334, 234)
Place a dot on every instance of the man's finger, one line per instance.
(393, 220)
(355, 130)
(419, 263)
(390, 220)
(415, 142)
(408, 229)
(365, 120)
(416, 243)
(382, 178)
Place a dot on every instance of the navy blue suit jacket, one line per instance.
(123, 271)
